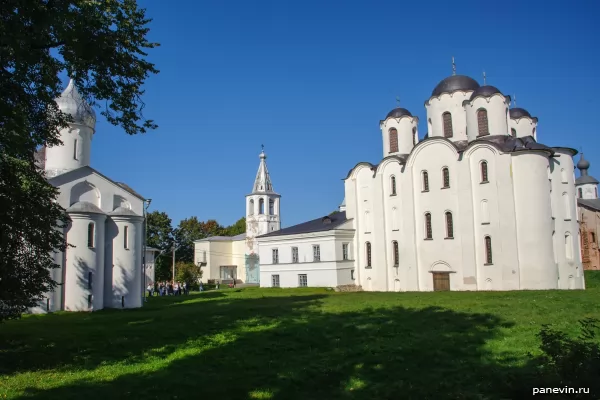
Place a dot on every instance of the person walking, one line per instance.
(150, 289)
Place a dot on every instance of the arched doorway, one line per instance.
(441, 272)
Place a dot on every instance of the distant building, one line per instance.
(103, 268)
(478, 204)
(589, 211)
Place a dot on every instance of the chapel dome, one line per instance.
(454, 83)
(485, 91)
(583, 163)
(516, 113)
(398, 112)
(70, 102)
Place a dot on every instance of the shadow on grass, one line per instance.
(281, 348)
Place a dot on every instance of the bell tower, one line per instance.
(262, 207)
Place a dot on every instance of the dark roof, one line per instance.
(485, 91)
(322, 224)
(586, 179)
(583, 163)
(454, 83)
(398, 112)
(516, 113)
(590, 203)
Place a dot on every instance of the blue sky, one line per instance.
(311, 79)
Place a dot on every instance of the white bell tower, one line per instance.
(262, 207)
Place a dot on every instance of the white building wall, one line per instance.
(524, 126)
(74, 153)
(588, 191)
(126, 282)
(452, 103)
(407, 127)
(497, 112)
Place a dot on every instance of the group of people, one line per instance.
(168, 289)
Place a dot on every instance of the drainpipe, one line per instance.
(143, 280)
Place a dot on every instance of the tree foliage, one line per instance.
(101, 45)
(187, 272)
(160, 236)
(237, 228)
(191, 229)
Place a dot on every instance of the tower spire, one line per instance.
(515, 100)
(484, 79)
(453, 66)
(262, 183)
(398, 100)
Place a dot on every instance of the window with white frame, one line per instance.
(294, 254)
(302, 280)
(275, 256)
(316, 252)
(274, 280)
(344, 251)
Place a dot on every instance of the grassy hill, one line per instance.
(290, 344)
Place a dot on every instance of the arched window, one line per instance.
(367, 222)
(596, 192)
(568, 246)
(396, 253)
(75, 150)
(251, 207)
(449, 226)
(90, 238)
(488, 250)
(580, 193)
(445, 177)
(563, 176)
(394, 219)
(513, 132)
(414, 131)
(567, 205)
(447, 121)
(261, 206)
(428, 231)
(271, 207)
(485, 212)
(368, 253)
(482, 122)
(533, 132)
(393, 184)
(425, 181)
(593, 237)
(484, 172)
(393, 140)
(126, 237)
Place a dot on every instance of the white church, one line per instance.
(478, 204)
(104, 265)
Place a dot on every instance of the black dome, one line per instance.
(519, 113)
(398, 112)
(454, 83)
(583, 163)
(485, 91)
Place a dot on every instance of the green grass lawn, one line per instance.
(290, 344)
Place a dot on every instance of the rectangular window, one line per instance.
(204, 256)
(89, 301)
(90, 235)
(90, 277)
(344, 251)
(126, 237)
(75, 150)
(275, 256)
(294, 254)
(316, 253)
(302, 281)
(274, 280)
(352, 274)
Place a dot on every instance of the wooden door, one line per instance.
(441, 281)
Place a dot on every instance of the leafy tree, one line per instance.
(160, 236)
(191, 229)
(101, 45)
(237, 228)
(187, 272)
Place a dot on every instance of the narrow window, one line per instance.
(513, 132)
(482, 122)
(488, 250)
(446, 178)
(316, 252)
(485, 212)
(275, 256)
(89, 301)
(344, 251)
(274, 280)
(75, 149)
(396, 253)
(414, 134)
(302, 280)
(126, 238)
(393, 184)
(596, 192)
(593, 237)
(251, 207)
(368, 254)
(580, 193)
(294, 254)
(428, 232)
(425, 181)
(533, 132)
(394, 219)
(568, 246)
(563, 176)
(352, 274)
(393, 140)
(204, 256)
(484, 172)
(449, 226)
(367, 222)
(447, 120)
(90, 238)
(567, 205)
(90, 277)
(271, 207)
(261, 206)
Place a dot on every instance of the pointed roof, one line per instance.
(262, 183)
(584, 178)
(70, 102)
